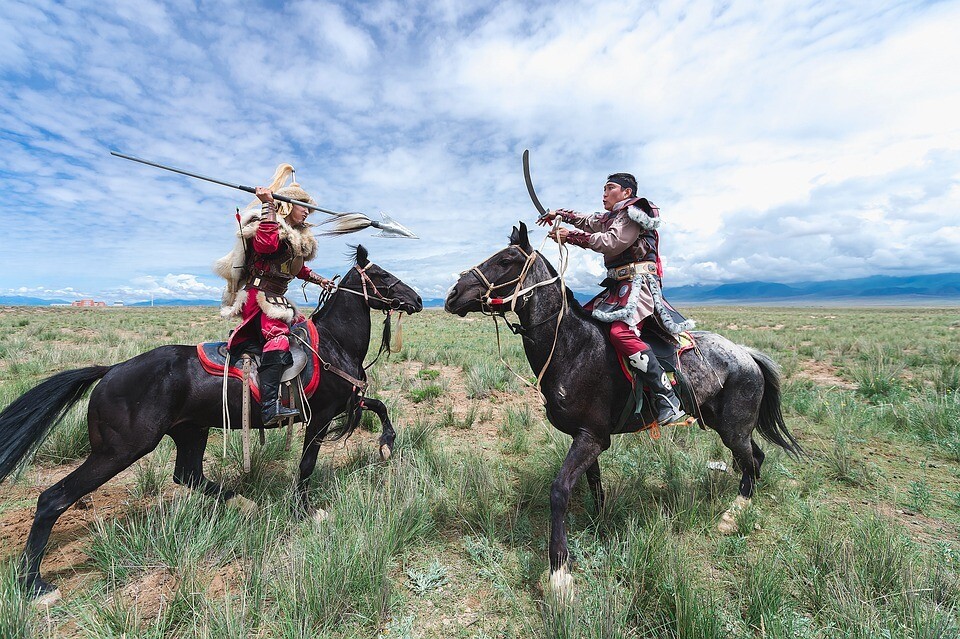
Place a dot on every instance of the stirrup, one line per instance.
(678, 419)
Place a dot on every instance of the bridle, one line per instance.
(393, 304)
(520, 292)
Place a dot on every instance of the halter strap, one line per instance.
(518, 292)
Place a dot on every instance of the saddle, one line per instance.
(306, 364)
(667, 349)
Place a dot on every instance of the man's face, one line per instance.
(613, 193)
(298, 215)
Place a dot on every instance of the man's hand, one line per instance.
(263, 194)
(546, 218)
(558, 235)
(324, 283)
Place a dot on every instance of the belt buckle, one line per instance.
(621, 272)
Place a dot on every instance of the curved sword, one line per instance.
(526, 178)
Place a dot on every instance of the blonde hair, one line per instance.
(278, 186)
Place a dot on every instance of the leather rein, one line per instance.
(521, 292)
(393, 303)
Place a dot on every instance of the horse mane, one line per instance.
(572, 303)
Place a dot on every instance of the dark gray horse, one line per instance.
(166, 392)
(737, 388)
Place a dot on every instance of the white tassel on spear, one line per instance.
(342, 223)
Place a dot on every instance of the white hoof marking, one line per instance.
(243, 504)
(318, 515)
(47, 600)
(385, 452)
(561, 585)
(728, 521)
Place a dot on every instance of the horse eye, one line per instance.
(504, 261)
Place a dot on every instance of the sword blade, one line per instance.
(526, 178)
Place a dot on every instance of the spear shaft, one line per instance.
(388, 228)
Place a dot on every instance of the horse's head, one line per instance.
(502, 272)
(382, 290)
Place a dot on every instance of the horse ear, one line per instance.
(524, 241)
(363, 257)
(514, 236)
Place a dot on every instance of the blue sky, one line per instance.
(783, 141)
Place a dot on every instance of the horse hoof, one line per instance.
(728, 521)
(318, 515)
(47, 599)
(561, 585)
(242, 504)
(385, 451)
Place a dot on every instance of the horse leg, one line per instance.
(387, 435)
(743, 448)
(308, 461)
(582, 455)
(102, 465)
(596, 488)
(758, 456)
(191, 443)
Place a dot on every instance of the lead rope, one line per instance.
(223, 403)
(520, 292)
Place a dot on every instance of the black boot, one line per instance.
(271, 368)
(665, 402)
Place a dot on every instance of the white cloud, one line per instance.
(783, 141)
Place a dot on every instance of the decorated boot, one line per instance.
(666, 404)
(271, 368)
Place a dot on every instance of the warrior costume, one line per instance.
(269, 253)
(628, 239)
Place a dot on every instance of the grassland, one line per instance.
(448, 538)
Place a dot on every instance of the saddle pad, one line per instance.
(213, 355)
(667, 353)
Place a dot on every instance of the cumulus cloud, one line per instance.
(783, 141)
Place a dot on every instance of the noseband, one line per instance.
(393, 302)
(518, 292)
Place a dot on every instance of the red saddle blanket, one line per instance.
(213, 356)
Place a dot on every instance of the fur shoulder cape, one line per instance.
(231, 266)
(644, 213)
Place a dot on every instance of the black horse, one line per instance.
(166, 392)
(737, 388)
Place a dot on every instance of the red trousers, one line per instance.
(627, 340)
(274, 331)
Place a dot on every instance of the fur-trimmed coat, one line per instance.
(233, 267)
(627, 234)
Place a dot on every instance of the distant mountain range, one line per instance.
(877, 289)
(943, 286)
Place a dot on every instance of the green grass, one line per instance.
(448, 538)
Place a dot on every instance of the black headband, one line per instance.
(623, 182)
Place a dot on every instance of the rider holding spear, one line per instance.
(626, 235)
(274, 243)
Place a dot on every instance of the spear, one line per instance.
(344, 222)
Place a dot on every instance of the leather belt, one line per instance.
(276, 286)
(629, 271)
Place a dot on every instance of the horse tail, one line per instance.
(26, 422)
(770, 423)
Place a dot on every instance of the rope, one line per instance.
(223, 403)
(521, 292)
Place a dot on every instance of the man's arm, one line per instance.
(307, 274)
(622, 233)
(267, 238)
(589, 222)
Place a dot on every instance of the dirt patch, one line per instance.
(823, 374)
(921, 528)
(151, 593)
